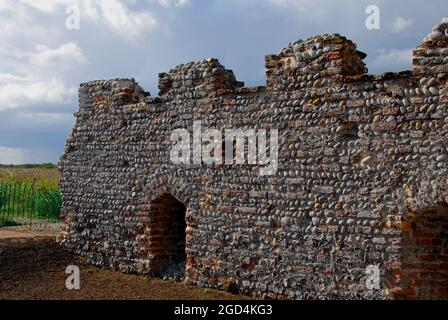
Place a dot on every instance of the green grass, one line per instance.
(9, 223)
(29, 166)
(30, 191)
(30, 201)
(42, 177)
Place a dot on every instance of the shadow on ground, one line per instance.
(32, 267)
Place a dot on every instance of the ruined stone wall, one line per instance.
(358, 156)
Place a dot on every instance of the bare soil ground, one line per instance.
(11, 233)
(32, 267)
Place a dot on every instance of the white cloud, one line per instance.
(5, 5)
(47, 5)
(35, 77)
(118, 17)
(19, 92)
(400, 24)
(39, 77)
(393, 60)
(11, 156)
(66, 56)
(301, 6)
(18, 24)
(173, 3)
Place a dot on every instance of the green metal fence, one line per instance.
(26, 202)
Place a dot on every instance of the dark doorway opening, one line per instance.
(167, 236)
(425, 265)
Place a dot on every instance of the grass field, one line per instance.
(29, 191)
(8, 223)
(43, 175)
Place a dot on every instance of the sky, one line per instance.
(43, 59)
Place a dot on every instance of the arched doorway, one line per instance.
(167, 236)
(424, 273)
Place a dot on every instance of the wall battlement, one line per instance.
(362, 177)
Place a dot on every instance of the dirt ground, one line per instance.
(32, 267)
(11, 233)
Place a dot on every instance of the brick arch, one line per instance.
(167, 184)
(425, 194)
(423, 272)
(162, 214)
(423, 269)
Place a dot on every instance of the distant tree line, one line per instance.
(29, 166)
